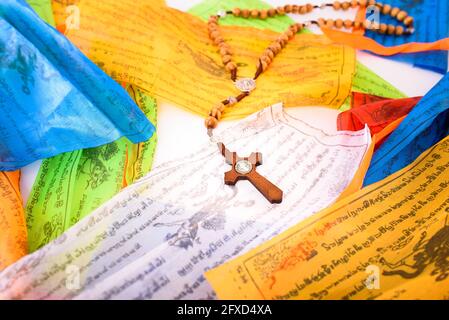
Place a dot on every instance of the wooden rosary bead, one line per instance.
(401, 15)
(321, 22)
(276, 48)
(216, 113)
(338, 23)
(293, 28)
(262, 64)
(211, 24)
(348, 23)
(265, 58)
(225, 45)
(214, 35)
(213, 19)
(218, 40)
(272, 48)
(386, 9)
(288, 8)
(282, 40)
(399, 30)
(254, 13)
(226, 59)
(284, 37)
(221, 106)
(277, 44)
(408, 21)
(358, 24)
(211, 33)
(391, 29)
(231, 66)
(269, 53)
(290, 34)
(280, 11)
(345, 5)
(394, 12)
(225, 51)
(211, 122)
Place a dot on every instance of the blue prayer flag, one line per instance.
(52, 98)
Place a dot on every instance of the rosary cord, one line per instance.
(247, 84)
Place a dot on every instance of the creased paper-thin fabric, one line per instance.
(52, 98)
(13, 232)
(426, 47)
(71, 185)
(43, 9)
(13, 238)
(187, 70)
(431, 24)
(376, 112)
(425, 125)
(364, 79)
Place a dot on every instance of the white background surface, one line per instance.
(179, 132)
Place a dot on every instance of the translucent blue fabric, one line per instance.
(425, 125)
(52, 98)
(431, 22)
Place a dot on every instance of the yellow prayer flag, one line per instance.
(390, 240)
(168, 53)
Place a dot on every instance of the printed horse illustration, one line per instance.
(210, 217)
(187, 232)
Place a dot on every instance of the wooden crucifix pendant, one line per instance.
(245, 169)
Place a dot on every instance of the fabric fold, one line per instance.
(50, 94)
(13, 234)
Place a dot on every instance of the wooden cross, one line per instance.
(245, 169)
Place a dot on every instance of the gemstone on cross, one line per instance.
(244, 168)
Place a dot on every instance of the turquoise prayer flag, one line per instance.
(52, 98)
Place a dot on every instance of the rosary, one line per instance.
(244, 168)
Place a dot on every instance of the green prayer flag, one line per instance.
(71, 185)
(43, 9)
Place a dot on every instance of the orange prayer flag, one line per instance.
(13, 235)
(359, 41)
